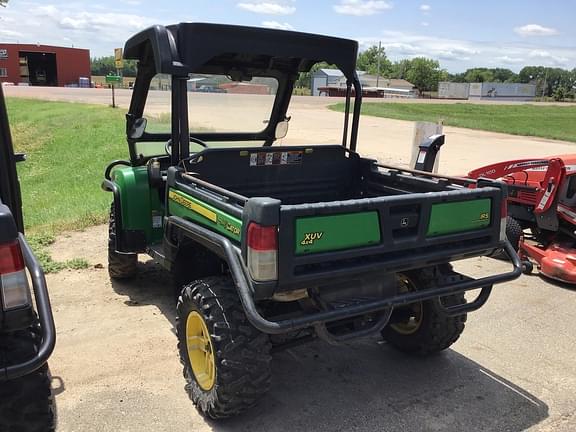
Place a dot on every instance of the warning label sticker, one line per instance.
(276, 158)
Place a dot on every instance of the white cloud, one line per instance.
(269, 7)
(458, 55)
(511, 60)
(70, 24)
(362, 7)
(95, 22)
(424, 23)
(544, 55)
(277, 25)
(535, 30)
(132, 2)
(10, 33)
(425, 7)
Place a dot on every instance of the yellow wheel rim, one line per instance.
(414, 310)
(200, 351)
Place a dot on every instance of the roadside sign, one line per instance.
(118, 58)
(112, 79)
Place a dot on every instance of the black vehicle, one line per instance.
(275, 246)
(27, 334)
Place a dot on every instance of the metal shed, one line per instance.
(325, 78)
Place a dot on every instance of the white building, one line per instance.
(502, 91)
(487, 91)
(334, 78)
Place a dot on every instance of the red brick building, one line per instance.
(43, 65)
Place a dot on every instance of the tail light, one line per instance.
(262, 257)
(503, 217)
(13, 281)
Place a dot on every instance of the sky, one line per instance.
(459, 34)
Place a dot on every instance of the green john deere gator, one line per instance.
(271, 246)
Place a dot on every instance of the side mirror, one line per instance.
(137, 129)
(281, 128)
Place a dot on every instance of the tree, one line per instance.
(548, 80)
(476, 75)
(457, 77)
(105, 65)
(368, 61)
(504, 75)
(400, 68)
(423, 72)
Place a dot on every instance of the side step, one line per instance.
(157, 252)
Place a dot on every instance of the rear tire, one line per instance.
(120, 266)
(234, 367)
(26, 403)
(424, 328)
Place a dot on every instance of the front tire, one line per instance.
(26, 403)
(120, 266)
(226, 360)
(423, 328)
(514, 232)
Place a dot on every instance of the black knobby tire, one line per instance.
(241, 352)
(120, 266)
(26, 403)
(435, 330)
(513, 233)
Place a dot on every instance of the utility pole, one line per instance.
(545, 79)
(378, 58)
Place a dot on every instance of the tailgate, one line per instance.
(387, 233)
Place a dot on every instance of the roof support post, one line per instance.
(356, 115)
(180, 128)
(175, 147)
(346, 113)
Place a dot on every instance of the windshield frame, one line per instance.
(180, 134)
(179, 106)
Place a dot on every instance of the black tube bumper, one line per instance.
(223, 247)
(45, 317)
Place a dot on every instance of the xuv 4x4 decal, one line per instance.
(336, 232)
(310, 238)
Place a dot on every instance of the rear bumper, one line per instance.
(45, 318)
(223, 247)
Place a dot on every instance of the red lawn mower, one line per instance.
(542, 199)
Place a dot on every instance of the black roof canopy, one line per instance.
(186, 48)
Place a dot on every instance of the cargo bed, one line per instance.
(338, 214)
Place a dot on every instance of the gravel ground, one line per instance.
(116, 366)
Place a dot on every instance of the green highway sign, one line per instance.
(113, 79)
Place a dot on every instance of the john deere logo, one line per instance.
(310, 238)
(404, 222)
(484, 216)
